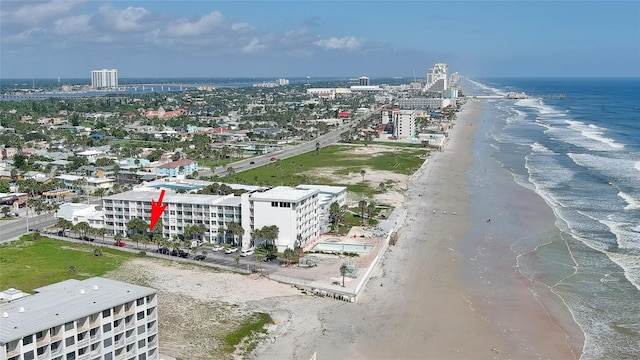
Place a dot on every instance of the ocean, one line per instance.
(581, 154)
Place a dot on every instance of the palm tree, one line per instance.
(117, 238)
(363, 205)
(5, 211)
(362, 172)
(343, 271)
(336, 215)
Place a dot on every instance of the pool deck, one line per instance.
(325, 278)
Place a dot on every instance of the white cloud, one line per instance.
(202, 26)
(124, 20)
(72, 24)
(348, 43)
(241, 27)
(25, 36)
(254, 46)
(35, 12)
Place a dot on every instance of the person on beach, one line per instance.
(489, 220)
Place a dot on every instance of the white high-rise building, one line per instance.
(363, 81)
(95, 318)
(404, 124)
(437, 78)
(294, 211)
(104, 79)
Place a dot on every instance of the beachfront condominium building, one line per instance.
(327, 195)
(424, 103)
(437, 78)
(104, 79)
(95, 318)
(299, 213)
(295, 211)
(215, 212)
(363, 81)
(404, 124)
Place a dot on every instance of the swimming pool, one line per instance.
(354, 248)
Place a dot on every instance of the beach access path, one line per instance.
(417, 304)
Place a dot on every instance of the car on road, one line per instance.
(272, 158)
(270, 257)
(246, 252)
(183, 254)
(199, 257)
(86, 238)
(217, 248)
(120, 244)
(252, 163)
(230, 250)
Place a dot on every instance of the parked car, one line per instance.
(272, 158)
(199, 257)
(246, 252)
(230, 250)
(86, 238)
(270, 257)
(163, 251)
(183, 254)
(60, 232)
(217, 248)
(120, 244)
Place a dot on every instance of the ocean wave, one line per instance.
(539, 148)
(593, 132)
(617, 170)
(632, 203)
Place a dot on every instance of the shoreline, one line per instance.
(419, 301)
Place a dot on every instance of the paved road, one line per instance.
(10, 229)
(213, 257)
(305, 147)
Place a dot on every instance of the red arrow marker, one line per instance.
(156, 210)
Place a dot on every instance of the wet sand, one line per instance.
(428, 300)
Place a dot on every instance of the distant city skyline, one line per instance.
(282, 39)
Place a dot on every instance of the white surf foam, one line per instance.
(632, 202)
(595, 133)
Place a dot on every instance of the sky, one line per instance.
(165, 38)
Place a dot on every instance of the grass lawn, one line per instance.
(289, 172)
(26, 264)
(391, 143)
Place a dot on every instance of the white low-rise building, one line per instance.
(95, 318)
(77, 213)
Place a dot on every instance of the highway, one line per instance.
(325, 140)
(10, 229)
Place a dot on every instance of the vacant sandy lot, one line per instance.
(198, 305)
(395, 183)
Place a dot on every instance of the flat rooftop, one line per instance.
(284, 193)
(62, 302)
(169, 197)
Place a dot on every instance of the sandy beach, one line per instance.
(427, 300)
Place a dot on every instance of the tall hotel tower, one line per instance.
(437, 78)
(104, 79)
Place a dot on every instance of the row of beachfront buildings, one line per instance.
(301, 213)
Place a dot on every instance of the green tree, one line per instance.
(5, 211)
(363, 172)
(336, 215)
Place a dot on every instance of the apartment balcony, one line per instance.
(43, 340)
(84, 341)
(119, 343)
